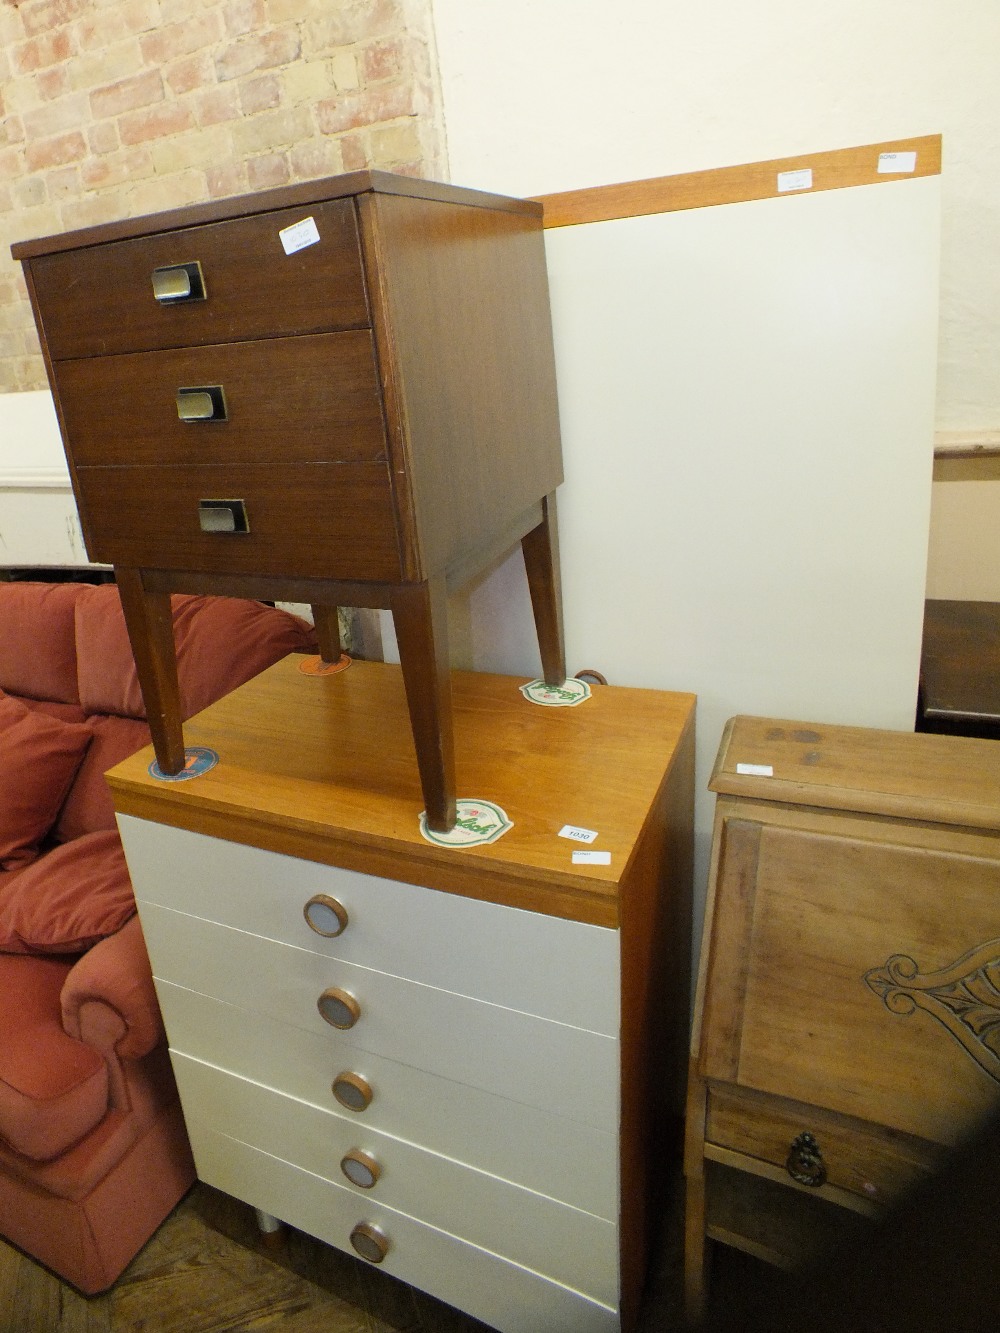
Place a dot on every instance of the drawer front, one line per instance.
(567, 971)
(855, 971)
(562, 1158)
(320, 520)
(100, 300)
(577, 1248)
(507, 1296)
(285, 400)
(561, 1069)
(872, 1163)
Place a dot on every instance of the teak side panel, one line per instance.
(99, 301)
(464, 338)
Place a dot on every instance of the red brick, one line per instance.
(266, 51)
(127, 95)
(225, 181)
(99, 173)
(382, 60)
(52, 83)
(184, 76)
(242, 16)
(124, 19)
(11, 130)
(40, 52)
(68, 113)
(218, 105)
(55, 152)
(271, 169)
(355, 152)
(260, 94)
(103, 137)
(41, 17)
(180, 39)
(155, 122)
(368, 107)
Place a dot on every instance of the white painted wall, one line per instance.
(39, 524)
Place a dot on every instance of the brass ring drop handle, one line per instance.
(360, 1168)
(371, 1243)
(325, 915)
(339, 1007)
(352, 1091)
(805, 1161)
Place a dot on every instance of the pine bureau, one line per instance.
(847, 1020)
(463, 1062)
(339, 392)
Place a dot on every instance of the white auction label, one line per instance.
(298, 235)
(577, 834)
(756, 770)
(591, 858)
(892, 162)
(795, 180)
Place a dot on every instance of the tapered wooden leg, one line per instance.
(420, 616)
(327, 622)
(695, 1201)
(540, 547)
(151, 634)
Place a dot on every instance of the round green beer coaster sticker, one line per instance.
(566, 695)
(477, 822)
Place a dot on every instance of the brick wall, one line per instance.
(117, 108)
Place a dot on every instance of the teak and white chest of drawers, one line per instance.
(339, 392)
(469, 1081)
(847, 1022)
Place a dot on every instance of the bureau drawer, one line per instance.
(285, 400)
(561, 1069)
(324, 520)
(100, 300)
(562, 1158)
(507, 1296)
(874, 1163)
(579, 1249)
(564, 970)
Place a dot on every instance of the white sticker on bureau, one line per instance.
(298, 235)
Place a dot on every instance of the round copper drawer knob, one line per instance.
(339, 1007)
(352, 1091)
(360, 1168)
(371, 1243)
(325, 915)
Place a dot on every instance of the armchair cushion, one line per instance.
(40, 758)
(72, 897)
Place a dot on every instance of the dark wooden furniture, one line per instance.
(340, 393)
(847, 1020)
(960, 669)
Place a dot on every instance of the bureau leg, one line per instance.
(540, 548)
(420, 616)
(695, 1200)
(327, 622)
(151, 633)
(272, 1230)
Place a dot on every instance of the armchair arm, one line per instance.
(108, 999)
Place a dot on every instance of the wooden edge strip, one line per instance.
(833, 170)
(967, 444)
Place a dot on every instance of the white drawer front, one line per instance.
(558, 1068)
(511, 1298)
(564, 1159)
(563, 1243)
(564, 970)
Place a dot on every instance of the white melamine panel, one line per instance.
(563, 1243)
(563, 970)
(511, 1298)
(564, 1159)
(558, 1068)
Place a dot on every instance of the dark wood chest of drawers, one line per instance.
(340, 392)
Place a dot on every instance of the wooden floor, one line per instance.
(208, 1270)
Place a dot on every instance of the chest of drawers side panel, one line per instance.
(461, 318)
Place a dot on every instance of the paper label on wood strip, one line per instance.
(298, 235)
(890, 163)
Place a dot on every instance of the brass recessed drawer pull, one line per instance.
(371, 1243)
(339, 1007)
(179, 282)
(360, 1168)
(325, 915)
(223, 516)
(203, 402)
(805, 1161)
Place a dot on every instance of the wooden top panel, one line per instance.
(942, 779)
(324, 768)
(834, 170)
(286, 196)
